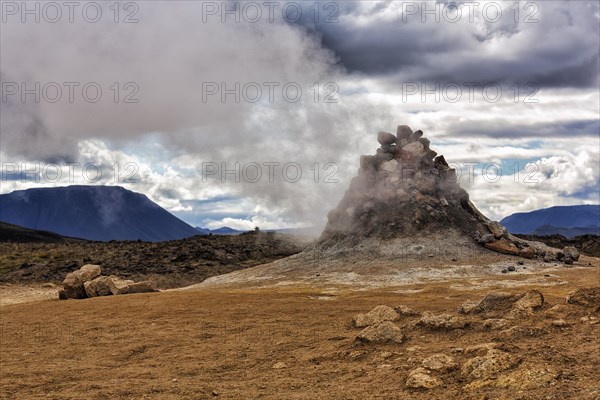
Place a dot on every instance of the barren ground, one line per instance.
(215, 342)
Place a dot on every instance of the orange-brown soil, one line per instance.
(224, 343)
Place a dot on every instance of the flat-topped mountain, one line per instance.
(93, 212)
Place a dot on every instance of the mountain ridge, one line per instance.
(91, 212)
(568, 221)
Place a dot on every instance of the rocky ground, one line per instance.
(431, 339)
(586, 244)
(170, 264)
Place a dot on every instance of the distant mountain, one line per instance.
(220, 231)
(202, 231)
(18, 234)
(92, 212)
(568, 221)
(310, 232)
(546, 230)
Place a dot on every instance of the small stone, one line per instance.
(503, 246)
(568, 260)
(442, 321)
(357, 355)
(279, 365)
(495, 301)
(386, 138)
(375, 316)
(497, 229)
(558, 311)
(100, 286)
(174, 380)
(531, 301)
(415, 148)
(440, 362)
(587, 297)
(520, 262)
(482, 347)
(487, 366)
(403, 132)
(495, 323)
(561, 323)
(511, 269)
(389, 148)
(528, 377)
(469, 307)
(381, 333)
(73, 283)
(440, 160)
(407, 311)
(420, 378)
(389, 166)
(487, 238)
(527, 252)
(571, 252)
(504, 271)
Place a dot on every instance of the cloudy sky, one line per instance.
(254, 113)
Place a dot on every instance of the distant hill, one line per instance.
(308, 232)
(568, 221)
(18, 234)
(219, 231)
(92, 212)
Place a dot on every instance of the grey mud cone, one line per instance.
(406, 191)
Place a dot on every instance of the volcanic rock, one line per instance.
(385, 138)
(381, 333)
(73, 284)
(129, 286)
(497, 230)
(527, 377)
(406, 311)
(376, 316)
(497, 301)
(440, 362)
(487, 366)
(571, 252)
(87, 282)
(530, 301)
(403, 132)
(587, 297)
(420, 378)
(100, 286)
(503, 246)
(441, 322)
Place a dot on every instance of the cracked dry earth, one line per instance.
(302, 342)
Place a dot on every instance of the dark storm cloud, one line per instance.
(560, 50)
(501, 128)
